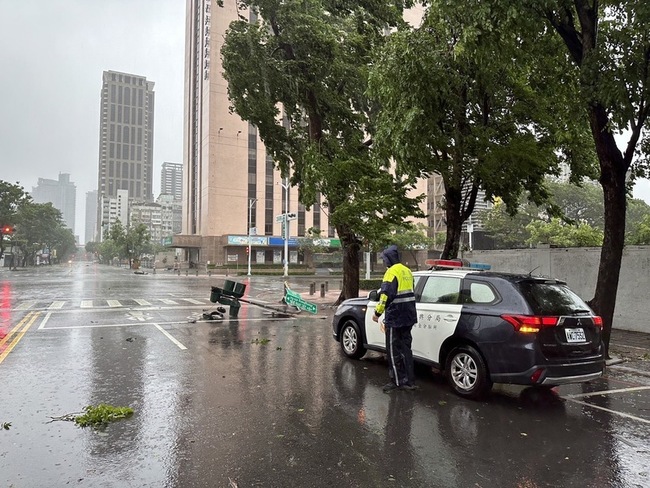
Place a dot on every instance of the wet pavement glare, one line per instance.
(271, 402)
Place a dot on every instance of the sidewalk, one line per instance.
(632, 349)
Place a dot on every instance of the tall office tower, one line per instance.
(91, 216)
(126, 136)
(61, 193)
(171, 180)
(229, 183)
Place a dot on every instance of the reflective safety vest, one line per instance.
(397, 298)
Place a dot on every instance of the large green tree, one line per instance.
(607, 44)
(298, 72)
(453, 102)
(559, 233)
(40, 226)
(12, 196)
(576, 205)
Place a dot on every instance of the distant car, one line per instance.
(483, 327)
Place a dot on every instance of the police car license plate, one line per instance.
(575, 335)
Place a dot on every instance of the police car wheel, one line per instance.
(351, 340)
(467, 373)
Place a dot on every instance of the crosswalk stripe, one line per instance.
(167, 301)
(141, 302)
(26, 305)
(86, 304)
(57, 305)
(192, 300)
(113, 303)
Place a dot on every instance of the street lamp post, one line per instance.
(251, 203)
(285, 187)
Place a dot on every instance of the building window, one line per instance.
(111, 169)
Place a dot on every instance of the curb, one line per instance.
(625, 369)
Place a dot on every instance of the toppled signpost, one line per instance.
(233, 292)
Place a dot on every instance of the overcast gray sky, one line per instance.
(52, 55)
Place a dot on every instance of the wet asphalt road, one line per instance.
(216, 405)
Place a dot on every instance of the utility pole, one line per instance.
(285, 186)
(251, 203)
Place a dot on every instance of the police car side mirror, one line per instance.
(373, 296)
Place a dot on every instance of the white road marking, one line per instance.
(86, 304)
(26, 305)
(57, 305)
(167, 301)
(607, 392)
(138, 315)
(192, 300)
(621, 414)
(141, 302)
(177, 322)
(45, 319)
(170, 337)
(113, 303)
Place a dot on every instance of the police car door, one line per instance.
(438, 314)
(374, 336)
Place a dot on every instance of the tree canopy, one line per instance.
(299, 73)
(457, 98)
(578, 206)
(604, 61)
(12, 196)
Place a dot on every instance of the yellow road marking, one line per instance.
(22, 321)
(26, 323)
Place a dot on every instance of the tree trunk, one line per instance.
(454, 223)
(351, 247)
(613, 171)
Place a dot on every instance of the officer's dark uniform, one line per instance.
(397, 303)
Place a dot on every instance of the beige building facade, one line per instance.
(229, 183)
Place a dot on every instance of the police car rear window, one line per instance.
(551, 298)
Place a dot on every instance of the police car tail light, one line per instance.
(598, 321)
(530, 323)
(535, 377)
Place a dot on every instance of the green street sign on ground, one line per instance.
(301, 304)
(295, 300)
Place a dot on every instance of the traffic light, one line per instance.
(7, 229)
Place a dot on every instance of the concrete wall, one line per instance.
(579, 268)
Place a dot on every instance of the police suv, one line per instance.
(481, 327)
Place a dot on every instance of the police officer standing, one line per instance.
(397, 303)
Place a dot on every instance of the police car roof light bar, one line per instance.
(456, 264)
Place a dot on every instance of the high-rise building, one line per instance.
(91, 216)
(61, 193)
(229, 182)
(126, 136)
(171, 179)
